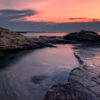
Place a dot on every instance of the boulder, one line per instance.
(83, 36)
(85, 82)
(61, 92)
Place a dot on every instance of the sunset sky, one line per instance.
(49, 12)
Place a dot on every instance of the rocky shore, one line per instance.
(62, 92)
(54, 39)
(12, 41)
(83, 81)
(83, 84)
(82, 37)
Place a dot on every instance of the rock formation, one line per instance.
(83, 36)
(10, 40)
(85, 82)
(61, 92)
(53, 39)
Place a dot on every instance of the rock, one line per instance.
(54, 39)
(83, 36)
(85, 82)
(10, 40)
(61, 92)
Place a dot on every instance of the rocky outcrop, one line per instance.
(83, 37)
(10, 40)
(54, 39)
(85, 82)
(61, 92)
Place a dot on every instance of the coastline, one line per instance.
(83, 83)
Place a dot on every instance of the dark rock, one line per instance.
(83, 36)
(53, 39)
(48, 37)
(61, 92)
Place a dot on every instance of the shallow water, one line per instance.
(29, 74)
(90, 55)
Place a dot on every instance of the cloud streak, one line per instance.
(9, 14)
(84, 19)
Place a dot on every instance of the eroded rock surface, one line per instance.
(61, 92)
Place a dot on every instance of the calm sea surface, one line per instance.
(36, 35)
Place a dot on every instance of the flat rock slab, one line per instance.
(85, 82)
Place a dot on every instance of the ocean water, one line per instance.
(91, 55)
(27, 75)
(36, 35)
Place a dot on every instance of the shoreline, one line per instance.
(83, 82)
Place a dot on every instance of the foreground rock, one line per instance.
(10, 40)
(84, 85)
(83, 37)
(61, 92)
(85, 82)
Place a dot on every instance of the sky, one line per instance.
(50, 15)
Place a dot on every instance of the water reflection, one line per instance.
(12, 57)
(30, 74)
(90, 54)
